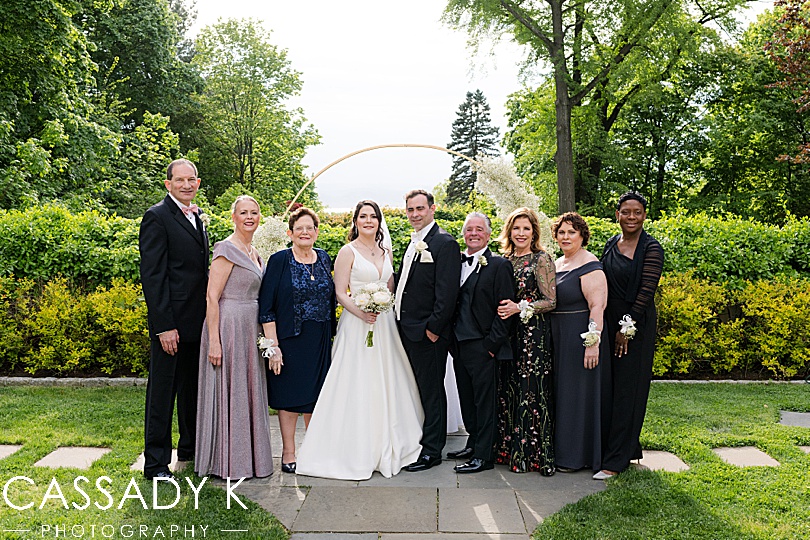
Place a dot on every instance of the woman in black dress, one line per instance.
(525, 413)
(581, 364)
(297, 310)
(633, 262)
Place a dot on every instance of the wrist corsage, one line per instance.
(592, 336)
(526, 311)
(628, 327)
(267, 346)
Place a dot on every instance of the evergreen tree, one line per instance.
(473, 135)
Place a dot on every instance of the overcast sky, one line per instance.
(379, 72)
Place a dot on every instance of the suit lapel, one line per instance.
(473, 279)
(181, 218)
(433, 230)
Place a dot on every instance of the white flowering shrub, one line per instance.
(271, 236)
(498, 180)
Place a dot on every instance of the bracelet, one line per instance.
(628, 327)
(592, 336)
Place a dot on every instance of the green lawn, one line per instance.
(710, 501)
(41, 419)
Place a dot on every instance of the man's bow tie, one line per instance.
(469, 259)
(191, 209)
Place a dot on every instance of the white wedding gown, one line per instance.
(368, 416)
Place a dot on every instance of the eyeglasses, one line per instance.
(302, 229)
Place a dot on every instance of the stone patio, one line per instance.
(8, 449)
(798, 419)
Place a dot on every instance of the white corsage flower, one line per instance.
(526, 311)
(421, 248)
(267, 346)
(482, 261)
(592, 336)
(628, 327)
(205, 218)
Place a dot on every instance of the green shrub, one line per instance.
(59, 329)
(777, 328)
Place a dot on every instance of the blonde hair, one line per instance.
(505, 238)
(241, 198)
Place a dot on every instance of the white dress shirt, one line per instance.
(407, 261)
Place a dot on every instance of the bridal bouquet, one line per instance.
(373, 298)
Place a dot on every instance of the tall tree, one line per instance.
(473, 135)
(587, 46)
(254, 138)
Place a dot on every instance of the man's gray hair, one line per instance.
(478, 215)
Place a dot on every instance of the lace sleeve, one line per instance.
(546, 275)
(650, 274)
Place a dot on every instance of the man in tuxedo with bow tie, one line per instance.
(481, 339)
(174, 274)
(427, 285)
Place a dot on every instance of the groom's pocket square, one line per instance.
(425, 257)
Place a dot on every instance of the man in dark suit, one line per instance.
(174, 274)
(481, 340)
(427, 285)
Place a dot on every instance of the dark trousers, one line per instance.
(429, 363)
(170, 377)
(476, 378)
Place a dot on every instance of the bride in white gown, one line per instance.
(368, 416)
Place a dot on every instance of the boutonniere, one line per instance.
(421, 248)
(205, 218)
(482, 261)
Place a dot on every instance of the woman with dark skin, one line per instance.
(633, 262)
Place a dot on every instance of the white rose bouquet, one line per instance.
(373, 298)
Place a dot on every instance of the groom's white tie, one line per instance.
(410, 254)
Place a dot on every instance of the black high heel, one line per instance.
(288, 467)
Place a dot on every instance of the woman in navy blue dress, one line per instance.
(297, 310)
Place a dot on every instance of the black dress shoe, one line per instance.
(473, 466)
(161, 474)
(464, 453)
(422, 464)
(186, 458)
(288, 467)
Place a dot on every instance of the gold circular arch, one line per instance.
(370, 148)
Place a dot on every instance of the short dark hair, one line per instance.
(301, 212)
(181, 161)
(631, 196)
(577, 222)
(415, 192)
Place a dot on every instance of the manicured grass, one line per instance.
(42, 419)
(712, 500)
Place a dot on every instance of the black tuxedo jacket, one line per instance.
(174, 271)
(429, 298)
(489, 285)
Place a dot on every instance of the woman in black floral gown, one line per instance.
(525, 414)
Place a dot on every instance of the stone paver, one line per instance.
(799, 419)
(281, 501)
(657, 460)
(805, 449)
(538, 505)
(333, 536)
(8, 449)
(746, 456)
(453, 536)
(77, 457)
(480, 511)
(367, 509)
(174, 465)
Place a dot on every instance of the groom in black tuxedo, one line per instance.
(174, 274)
(481, 339)
(427, 286)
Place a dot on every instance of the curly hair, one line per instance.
(301, 212)
(577, 222)
(505, 238)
